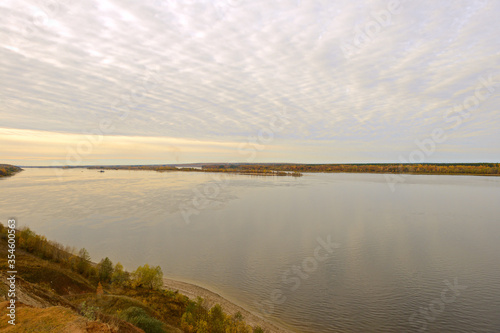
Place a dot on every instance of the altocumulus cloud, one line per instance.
(211, 73)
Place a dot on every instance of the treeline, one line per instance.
(80, 262)
(144, 284)
(296, 170)
(198, 319)
(137, 167)
(8, 170)
(425, 168)
(238, 169)
(249, 169)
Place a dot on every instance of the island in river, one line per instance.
(296, 170)
(9, 170)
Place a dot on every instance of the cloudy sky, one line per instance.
(178, 81)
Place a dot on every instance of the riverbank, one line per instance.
(103, 295)
(210, 299)
(297, 170)
(7, 170)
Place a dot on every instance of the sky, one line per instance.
(87, 82)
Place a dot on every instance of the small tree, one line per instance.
(216, 319)
(148, 277)
(202, 327)
(105, 270)
(99, 291)
(238, 316)
(83, 265)
(120, 277)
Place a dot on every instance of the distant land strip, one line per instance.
(296, 170)
(9, 170)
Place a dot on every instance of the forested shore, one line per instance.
(9, 170)
(59, 287)
(297, 170)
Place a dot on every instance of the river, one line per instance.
(320, 253)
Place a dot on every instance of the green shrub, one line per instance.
(138, 317)
(89, 312)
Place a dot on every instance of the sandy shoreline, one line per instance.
(193, 291)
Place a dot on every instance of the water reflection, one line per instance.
(396, 249)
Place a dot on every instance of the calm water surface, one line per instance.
(253, 239)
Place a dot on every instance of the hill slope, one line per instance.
(53, 294)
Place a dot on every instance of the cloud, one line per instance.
(218, 71)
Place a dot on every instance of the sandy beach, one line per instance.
(193, 291)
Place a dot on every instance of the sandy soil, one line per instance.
(193, 291)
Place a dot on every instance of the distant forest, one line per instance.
(296, 170)
(8, 170)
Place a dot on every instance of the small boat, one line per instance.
(101, 170)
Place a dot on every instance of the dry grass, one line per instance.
(60, 319)
(50, 275)
(41, 320)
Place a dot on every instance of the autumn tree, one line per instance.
(216, 319)
(99, 290)
(120, 277)
(27, 240)
(83, 265)
(147, 277)
(105, 270)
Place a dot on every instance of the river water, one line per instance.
(319, 253)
